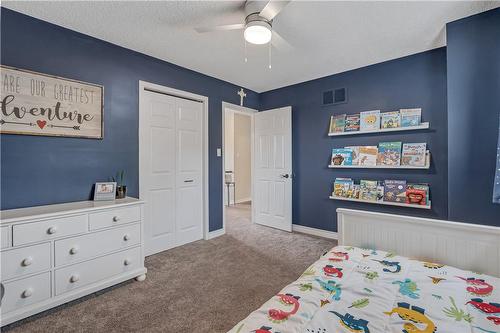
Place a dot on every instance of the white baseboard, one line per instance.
(243, 200)
(216, 233)
(314, 231)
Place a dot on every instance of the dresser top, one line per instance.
(37, 212)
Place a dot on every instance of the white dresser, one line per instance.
(53, 254)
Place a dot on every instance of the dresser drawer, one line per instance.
(79, 275)
(48, 229)
(25, 292)
(26, 260)
(113, 217)
(6, 240)
(83, 247)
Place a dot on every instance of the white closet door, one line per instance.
(188, 172)
(272, 197)
(170, 171)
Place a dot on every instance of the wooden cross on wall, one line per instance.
(242, 95)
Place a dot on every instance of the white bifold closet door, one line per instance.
(171, 168)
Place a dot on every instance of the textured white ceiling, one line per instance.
(326, 37)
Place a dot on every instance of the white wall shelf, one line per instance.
(387, 203)
(397, 129)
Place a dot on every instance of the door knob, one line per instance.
(285, 175)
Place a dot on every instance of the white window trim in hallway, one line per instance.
(237, 109)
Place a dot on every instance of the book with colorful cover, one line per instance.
(352, 122)
(380, 192)
(410, 117)
(414, 154)
(368, 155)
(390, 119)
(355, 154)
(368, 190)
(341, 156)
(389, 153)
(355, 191)
(337, 123)
(417, 194)
(342, 187)
(369, 120)
(395, 191)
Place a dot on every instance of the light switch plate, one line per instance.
(219, 152)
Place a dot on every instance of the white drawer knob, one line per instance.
(73, 250)
(52, 230)
(27, 293)
(116, 219)
(74, 278)
(127, 262)
(27, 261)
(126, 237)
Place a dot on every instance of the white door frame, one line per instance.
(247, 112)
(152, 87)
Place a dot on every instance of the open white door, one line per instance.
(272, 198)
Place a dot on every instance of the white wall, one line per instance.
(242, 157)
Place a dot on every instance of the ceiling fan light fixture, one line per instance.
(258, 32)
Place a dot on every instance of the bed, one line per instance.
(364, 285)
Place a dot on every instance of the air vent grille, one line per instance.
(336, 96)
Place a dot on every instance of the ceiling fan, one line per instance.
(258, 23)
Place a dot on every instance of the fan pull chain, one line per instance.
(246, 59)
(270, 59)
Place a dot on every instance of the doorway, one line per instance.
(237, 163)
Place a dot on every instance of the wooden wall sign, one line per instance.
(39, 104)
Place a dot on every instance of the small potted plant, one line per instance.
(121, 189)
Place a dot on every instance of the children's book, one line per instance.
(417, 194)
(368, 190)
(370, 120)
(414, 154)
(355, 191)
(337, 123)
(341, 156)
(395, 191)
(368, 155)
(342, 187)
(352, 123)
(389, 153)
(355, 154)
(380, 192)
(410, 117)
(390, 119)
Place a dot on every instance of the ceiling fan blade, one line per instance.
(280, 43)
(220, 28)
(273, 8)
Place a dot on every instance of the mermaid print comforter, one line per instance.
(359, 290)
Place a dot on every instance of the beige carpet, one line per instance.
(205, 286)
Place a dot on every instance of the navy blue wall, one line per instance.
(473, 113)
(45, 170)
(415, 81)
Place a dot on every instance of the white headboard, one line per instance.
(466, 246)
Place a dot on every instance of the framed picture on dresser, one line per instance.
(105, 191)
